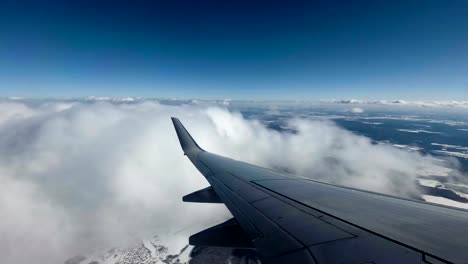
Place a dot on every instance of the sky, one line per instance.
(414, 50)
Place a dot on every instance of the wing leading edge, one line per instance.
(291, 219)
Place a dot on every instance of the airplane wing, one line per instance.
(290, 219)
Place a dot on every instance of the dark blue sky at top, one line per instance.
(235, 49)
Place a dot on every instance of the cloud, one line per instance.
(90, 176)
(356, 110)
(81, 176)
(448, 104)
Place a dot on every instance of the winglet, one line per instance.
(187, 143)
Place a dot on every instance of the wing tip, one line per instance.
(187, 143)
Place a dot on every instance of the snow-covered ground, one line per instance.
(444, 201)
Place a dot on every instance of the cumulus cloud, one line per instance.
(76, 177)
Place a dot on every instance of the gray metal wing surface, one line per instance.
(290, 219)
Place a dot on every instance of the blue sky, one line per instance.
(235, 49)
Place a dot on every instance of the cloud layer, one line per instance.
(450, 104)
(76, 177)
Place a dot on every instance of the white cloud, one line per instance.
(357, 110)
(82, 176)
(451, 104)
(417, 131)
